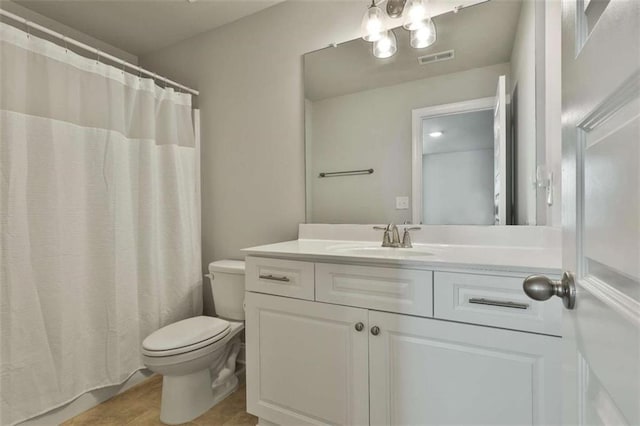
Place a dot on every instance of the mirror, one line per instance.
(440, 135)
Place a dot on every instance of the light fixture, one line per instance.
(416, 18)
(373, 27)
(424, 36)
(386, 46)
(435, 134)
(415, 15)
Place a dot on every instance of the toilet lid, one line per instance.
(187, 335)
(228, 266)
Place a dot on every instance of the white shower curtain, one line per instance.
(99, 213)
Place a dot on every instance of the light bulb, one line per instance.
(372, 26)
(385, 47)
(425, 36)
(416, 13)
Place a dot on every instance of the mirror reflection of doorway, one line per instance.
(458, 168)
(463, 164)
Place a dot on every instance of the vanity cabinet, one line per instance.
(306, 362)
(430, 372)
(379, 346)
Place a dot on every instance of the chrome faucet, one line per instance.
(391, 236)
(406, 237)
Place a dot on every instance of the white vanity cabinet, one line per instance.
(306, 362)
(429, 372)
(372, 349)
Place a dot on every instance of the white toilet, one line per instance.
(197, 356)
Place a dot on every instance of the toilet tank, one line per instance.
(227, 287)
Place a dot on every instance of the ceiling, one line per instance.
(143, 26)
(480, 35)
(467, 131)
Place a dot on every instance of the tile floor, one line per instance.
(140, 405)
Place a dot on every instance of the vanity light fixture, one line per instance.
(417, 19)
(386, 46)
(416, 14)
(435, 134)
(373, 23)
(424, 36)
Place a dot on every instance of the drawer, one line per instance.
(497, 301)
(404, 291)
(280, 277)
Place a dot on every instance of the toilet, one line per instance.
(197, 356)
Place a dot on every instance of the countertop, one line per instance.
(421, 256)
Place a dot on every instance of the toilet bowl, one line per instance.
(197, 356)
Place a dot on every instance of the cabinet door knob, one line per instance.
(375, 330)
(359, 326)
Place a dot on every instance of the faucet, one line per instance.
(406, 238)
(391, 236)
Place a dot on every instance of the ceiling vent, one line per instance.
(436, 57)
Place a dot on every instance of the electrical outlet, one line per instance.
(402, 203)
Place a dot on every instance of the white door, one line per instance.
(601, 213)
(430, 372)
(315, 358)
(500, 152)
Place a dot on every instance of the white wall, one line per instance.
(249, 74)
(372, 129)
(458, 187)
(523, 76)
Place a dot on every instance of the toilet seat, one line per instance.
(185, 336)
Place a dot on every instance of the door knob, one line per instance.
(375, 330)
(540, 287)
(359, 326)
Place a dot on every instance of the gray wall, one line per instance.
(249, 74)
(372, 129)
(37, 18)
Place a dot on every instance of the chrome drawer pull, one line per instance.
(274, 278)
(489, 302)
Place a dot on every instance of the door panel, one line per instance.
(430, 372)
(323, 372)
(601, 209)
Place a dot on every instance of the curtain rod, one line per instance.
(96, 51)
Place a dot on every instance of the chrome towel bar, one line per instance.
(346, 173)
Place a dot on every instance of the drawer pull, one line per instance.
(500, 303)
(274, 278)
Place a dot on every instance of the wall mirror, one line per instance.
(438, 135)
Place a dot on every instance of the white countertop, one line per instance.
(441, 256)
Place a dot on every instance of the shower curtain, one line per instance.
(99, 214)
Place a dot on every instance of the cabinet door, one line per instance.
(432, 372)
(306, 362)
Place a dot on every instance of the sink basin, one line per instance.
(378, 251)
